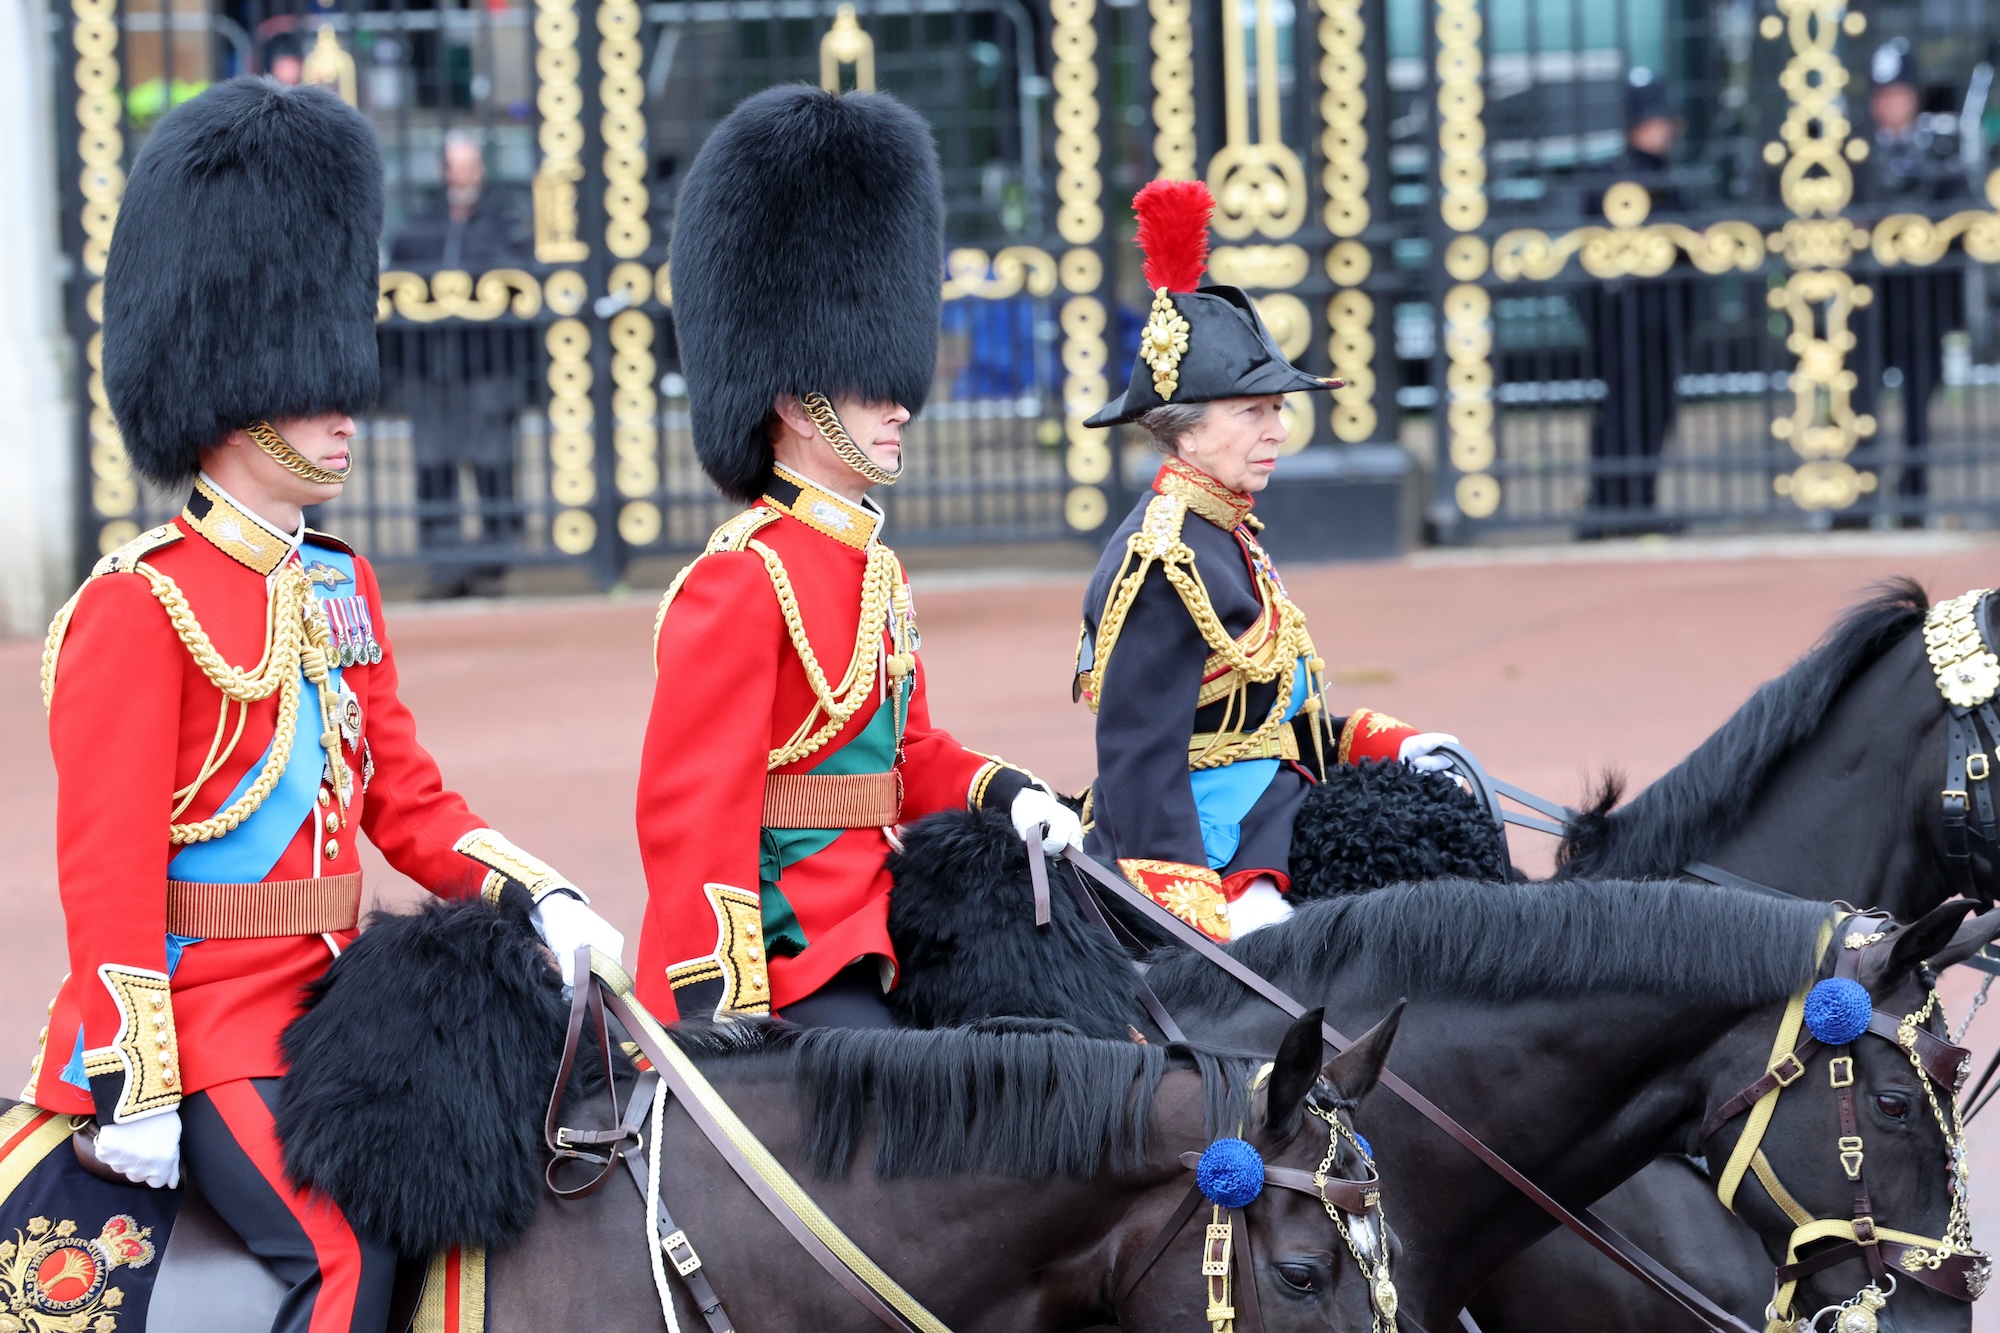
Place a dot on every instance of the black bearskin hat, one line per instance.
(241, 284)
(808, 256)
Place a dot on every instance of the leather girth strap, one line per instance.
(1596, 1232)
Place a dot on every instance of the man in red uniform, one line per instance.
(222, 699)
(790, 731)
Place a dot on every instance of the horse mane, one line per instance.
(1706, 797)
(1028, 1102)
(1500, 942)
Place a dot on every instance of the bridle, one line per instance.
(1958, 641)
(1836, 1013)
(1227, 1241)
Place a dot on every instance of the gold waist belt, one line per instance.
(832, 800)
(263, 911)
(1211, 748)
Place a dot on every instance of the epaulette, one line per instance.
(328, 539)
(124, 560)
(131, 553)
(1160, 531)
(733, 535)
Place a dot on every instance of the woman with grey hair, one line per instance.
(1209, 696)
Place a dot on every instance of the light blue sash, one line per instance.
(1223, 796)
(246, 854)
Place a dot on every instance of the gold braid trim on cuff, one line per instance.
(738, 960)
(1192, 893)
(146, 1049)
(508, 863)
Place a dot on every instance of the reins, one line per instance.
(601, 982)
(1596, 1232)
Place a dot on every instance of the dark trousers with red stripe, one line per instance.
(229, 1150)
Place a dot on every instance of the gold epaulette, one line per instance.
(124, 560)
(733, 535)
(1158, 538)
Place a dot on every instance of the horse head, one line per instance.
(1847, 1156)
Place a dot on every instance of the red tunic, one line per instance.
(732, 690)
(132, 720)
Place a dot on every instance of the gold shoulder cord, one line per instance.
(297, 642)
(880, 590)
(1159, 539)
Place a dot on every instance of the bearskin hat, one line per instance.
(808, 256)
(241, 284)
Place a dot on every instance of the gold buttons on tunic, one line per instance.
(332, 848)
(332, 822)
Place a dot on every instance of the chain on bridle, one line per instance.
(1961, 655)
(1837, 1012)
(1230, 1174)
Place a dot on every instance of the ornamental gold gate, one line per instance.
(1781, 318)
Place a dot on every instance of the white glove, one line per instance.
(145, 1152)
(1258, 906)
(1416, 751)
(564, 923)
(1034, 806)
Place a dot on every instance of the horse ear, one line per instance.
(1293, 1073)
(1973, 936)
(1928, 936)
(1354, 1072)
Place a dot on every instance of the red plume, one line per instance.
(1173, 232)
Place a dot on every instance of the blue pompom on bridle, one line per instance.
(1838, 1011)
(1230, 1173)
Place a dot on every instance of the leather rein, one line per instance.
(601, 983)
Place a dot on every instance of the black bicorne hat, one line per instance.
(807, 257)
(1200, 343)
(242, 280)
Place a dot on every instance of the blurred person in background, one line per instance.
(1638, 329)
(463, 387)
(1913, 166)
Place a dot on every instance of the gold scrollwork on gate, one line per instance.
(559, 97)
(1259, 185)
(1017, 268)
(635, 436)
(100, 150)
(627, 233)
(1173, 88)
(1911, 238)
(1814, 148)
(847, 43)
(1343, 140)
(1628, 248)
(329, 66)
(1469, 416)
(572, 441)
(1471, 442)
(1080, 221)
(1266, 266)
(456, 294)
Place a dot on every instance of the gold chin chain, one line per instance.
(296, 463)
(820, 409)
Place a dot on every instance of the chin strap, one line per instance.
(289, 458)
(820, 409)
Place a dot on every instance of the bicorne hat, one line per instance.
(807, 257)
(1200, 343)
(241, 284)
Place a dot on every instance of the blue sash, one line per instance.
(247, 853)
(1224, 795)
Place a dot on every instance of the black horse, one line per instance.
(1009, 1178)
(1582, 1030)
(1826, 785)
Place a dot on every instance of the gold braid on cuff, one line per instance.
(507, 863)
(820, 409)
(146, 1049)
(294, 462)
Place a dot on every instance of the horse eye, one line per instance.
(1299, 1277)
(1893, 1105)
